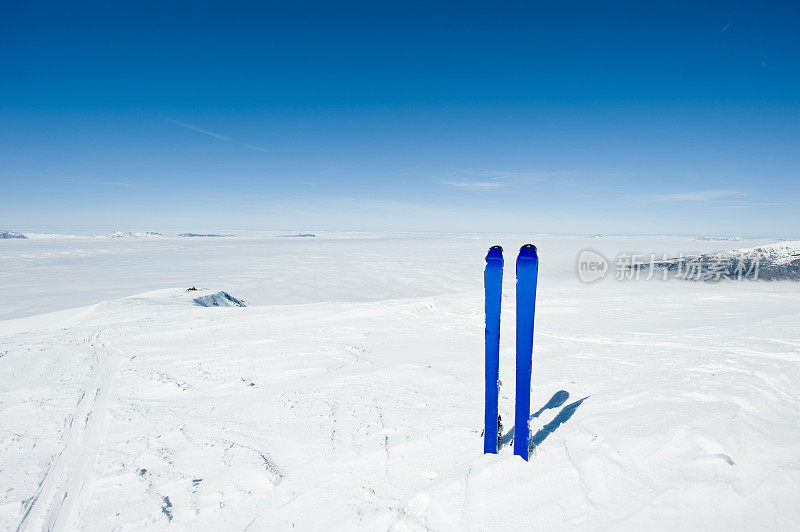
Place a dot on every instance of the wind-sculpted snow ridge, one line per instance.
(779, 261)
(11, 234)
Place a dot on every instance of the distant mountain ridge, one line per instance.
(772, 262)
(203, 235)
(131, 234)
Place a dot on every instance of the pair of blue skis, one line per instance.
(527, 272)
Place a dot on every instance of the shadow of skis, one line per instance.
(558, 399)
(548, 429)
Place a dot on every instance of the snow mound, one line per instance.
(219, 299)
(11, 234)
(177, 298)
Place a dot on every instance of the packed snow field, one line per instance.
(349, 391)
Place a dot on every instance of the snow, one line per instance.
(348, 393)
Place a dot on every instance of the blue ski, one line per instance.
(527, 271)
(493, 286)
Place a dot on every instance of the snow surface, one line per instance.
(350, 394)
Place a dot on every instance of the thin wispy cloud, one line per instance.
(699, 195)
(533, 175)
(754, 205)
(489, 175)
(255, 148)
(199, 130)
(476, 180)
(472, 185)
(116, 184)
(94, 182)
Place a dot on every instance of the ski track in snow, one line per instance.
(69, 474)
(655, 405)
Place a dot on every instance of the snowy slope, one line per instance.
(151, 411)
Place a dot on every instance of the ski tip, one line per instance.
(528, 251)
(495, 253)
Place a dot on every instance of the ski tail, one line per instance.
(527, 272)
(493, 286)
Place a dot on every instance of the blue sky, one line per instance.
(633, 117)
